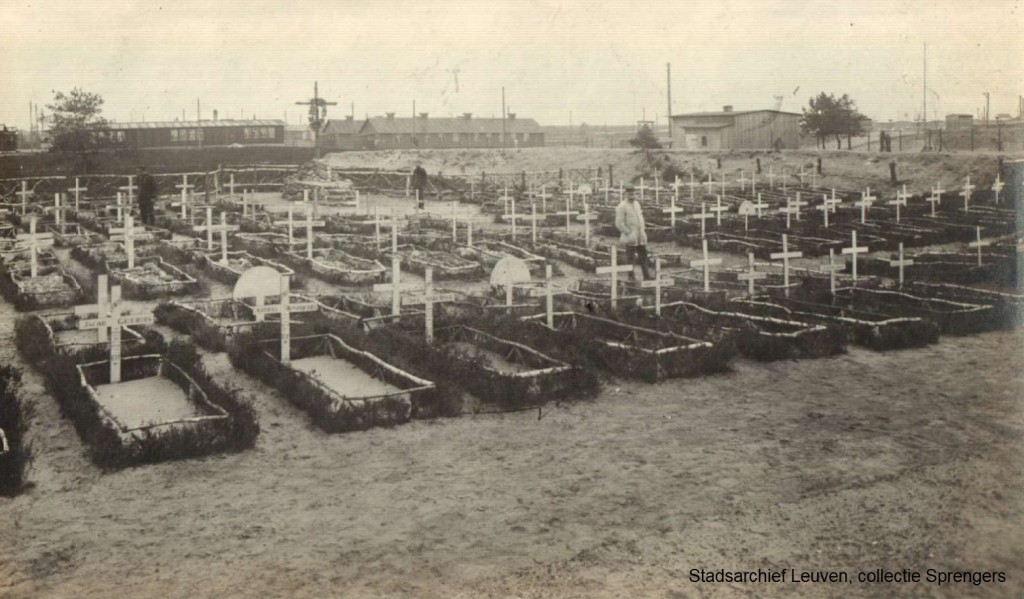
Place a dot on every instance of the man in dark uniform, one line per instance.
(419, 183)
(147, 197)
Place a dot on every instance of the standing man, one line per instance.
(147, 197)
(419, 183)
(629, 220)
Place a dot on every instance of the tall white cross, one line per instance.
(751, 275)
(130, 188)
(231, 185)
(111, 319)
(901, 262)
(785, 255)
(428, 298)
(798, 204)
(825, 208)
(935, 198)
(675, 187)
(186, 189)
(753, 183)
(759, 206)
(966, 193)
(789, 210)
(78, 189)
(703, 217)
(657, 283)
(120, 208)
(672, 212)
(127, 234)
(866, 199)
(58, 211)
(586, 224)
(901, 200)
(718, 209)
(25, 193)
(979, 243)
(831, 268)
(743, 181)
(101, 307)
(771, 178)
(853, 250)
(706, 263)
(693, 185)
(34, 241)
(614, 271)
(395, 286)
(285, 309)
(997, 186)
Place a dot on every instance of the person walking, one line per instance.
(147, 197)
(419, 184)
(629, 220)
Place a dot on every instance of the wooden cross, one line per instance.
(825, 208)
(693, 185)
(771, 178)
(935, 198)
(224, 228)
(111, 319)
(672, 212)
(131, 187)
(866, 199)
(785, 255)
(101, 307)
(706, 263)
(126, 233)
(979, 243)
(58, 211)
(834, 201)
(743, 181)
(997, 186)
(710, 183)
(186, 189)
(966, 193)
(801, 175)
(751, 275)
(544, 195)
(77, 189)
(641, 189)
(428, 298)
(120, 208)
(614, 271)
(211, 228)
(34, 240)
(784, 176)
(831, 268)
(718, 209)
(586, 224)
(788, 210)
(675, 187)
(901, 200)
(703, 217)
(395, 286)
(722, 184)
(853, 250)
(814, 179)
(24, 193)
(285, 309)
(657, 283)
(753, 183)
(309, 223)
(759, 206)
(798, 204)
(901, 263)
(231, 185)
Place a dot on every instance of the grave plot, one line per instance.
(58, 333)
(272, 244)
(151, 277)
(444, 264)
(952, 317)
(338, 267)
(489, 252)
(341, 387)
(870, 329)
(228, 267)
(502, 371)
(15, 453)
(634, 351)
(51, 287)
(1008, 308)
(763, 338)
(73, 234)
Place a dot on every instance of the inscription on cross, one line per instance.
(111, 319)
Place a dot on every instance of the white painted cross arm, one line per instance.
(278, 308)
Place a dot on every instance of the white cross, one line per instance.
(101, 307)
(675, 187)
(126, 233)
(231, 185)
(771, 178)
(34, 241)
(751, 275)
(129, 188)
(77, 189)
(285, 309)
(641, 189)
(672, 212)
(586, 224)
(614, 271)
(866, 199)
(935, 198)
(814, 179)
(785, 255)
(309, 223)
(428, 298)
(224, 228)
(569, 213)
(785, 175)
(657, 283)
(825, 208)
(544, 195)
(58, 211)
(798, 204)
(693, 185)
(789, 210)
(185, 190)
(753, 183)
(24, 193)
(723, 183)
(743, 181)
(901, 200)
(211, 228)
(966, 193)
(706, 263)
(718, 209)
(834, 201)
(901, 263)
(997, 186)
(979, 244)
(120, 208)
(703, 217)
(395, 286)
(832, 268)
(759, 206)
(802, 175)
(710, 183)
(110, 319)
(853, 250)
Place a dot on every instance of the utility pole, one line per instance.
(988, 104)
(668, 84)
(924, 96)
(503, 134)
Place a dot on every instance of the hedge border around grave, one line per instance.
(15, 413)
(28, 302)
(105, 446)
(208, 336)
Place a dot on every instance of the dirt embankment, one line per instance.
(840, 169)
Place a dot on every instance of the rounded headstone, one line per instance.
(747, 208)
(258, 281)
(509, 271)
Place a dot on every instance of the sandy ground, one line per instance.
(909, 459)
(145, 401)
(342, 376)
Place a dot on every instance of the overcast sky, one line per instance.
(603, 61)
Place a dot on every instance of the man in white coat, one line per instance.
(629, 220)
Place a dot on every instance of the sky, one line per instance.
(560, 62)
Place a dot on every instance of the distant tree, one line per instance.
(77, 127)
(645, 139)
(828, 115)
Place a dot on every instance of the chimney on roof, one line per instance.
(511, 116)
(727, 108)
(390, 116)
(215, 114)
(424, 115)
(467, 115)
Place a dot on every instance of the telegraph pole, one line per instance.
(988, 104)
(317, 115)
(668, 85)
(503, 134)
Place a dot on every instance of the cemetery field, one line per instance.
(904, 459)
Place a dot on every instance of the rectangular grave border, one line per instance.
(194, 318)
(112, 448)
(641, 352)
(1008, 307)
(209, 263)
(12, 288)
(73, 234)
(461, 269)
(136, 288)
(373, 272)
(15, 454)
(952, 317)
